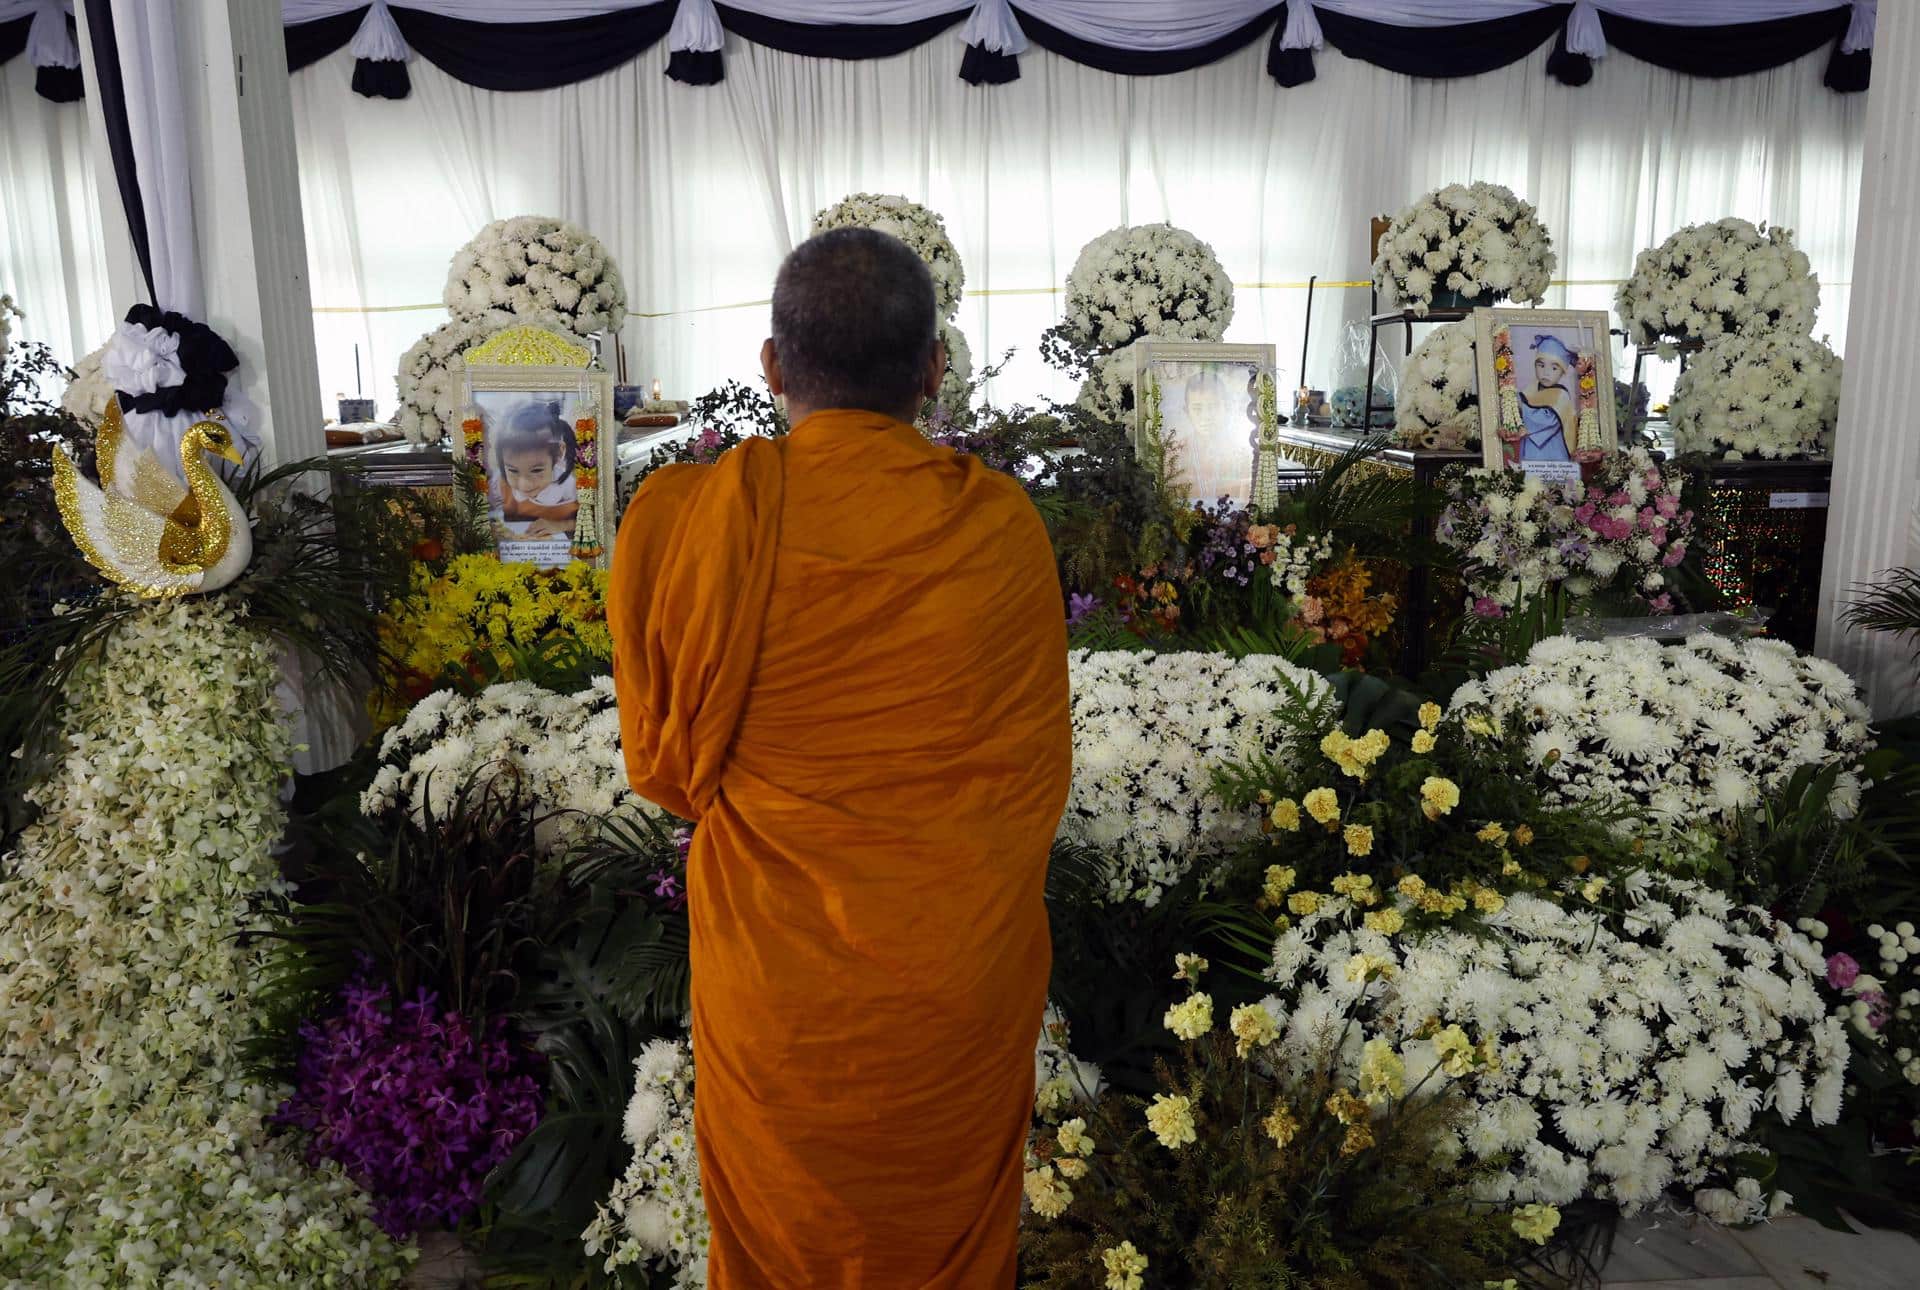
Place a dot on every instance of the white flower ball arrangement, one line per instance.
(1437, 405)
(1634, 1050)
(1765, 394)
(913, 224)
(1129, 284)
(1685, 735)
(1148, 729)
(1480, 241)
(135, 1147)
(87, 394)
(431, 377)
(953, 387)
(1710, 279)
(8, 312)
(563, 749)
(533, 268)
(656, 1215)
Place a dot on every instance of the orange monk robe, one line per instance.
(843, 654)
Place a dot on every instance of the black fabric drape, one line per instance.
(113, 111)
(379, 78)
(309, 42)
(1141, 62)
(1849, 73)
(835, 40)
(979, 66)
(533, 55)
(1463, 49)
(13, 37)
(1733, 50)
(697, 66)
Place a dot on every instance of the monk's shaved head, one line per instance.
(854, 323)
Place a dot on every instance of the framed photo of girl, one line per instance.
(533, 430)
(1552, 371)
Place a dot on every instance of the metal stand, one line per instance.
(1406, 318)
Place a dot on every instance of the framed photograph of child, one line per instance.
(534, 431)
(1552, 371)
(1201, 405)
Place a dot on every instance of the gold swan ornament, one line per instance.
(141, 527)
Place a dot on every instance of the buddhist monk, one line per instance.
(843, 655)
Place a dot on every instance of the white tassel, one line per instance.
(1860, 27)
(993, 28)
(696, 28)
(1303, 27)
(379, 39)
(1584, 33)
(49, 43)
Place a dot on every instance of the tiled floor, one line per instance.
(1789, 1254)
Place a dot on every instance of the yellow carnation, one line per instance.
(1072, 1138)
(1359, 1137)
(1171, 1119)
(1302, 903)
(1253, 1027)
(1048, 1195)
(1423, 741)
(1346, 1108)
(1359, 839)
(1438, 796)
(1412, 886)
(1279, 882)
(1492, 834)
(1535, 1222)
(1192, 1017)
(1124, 1265)
(1593, 888)
(1323, 805)
(1188, 967)
(1281, 1125)
(1285, 815)
(1488, 901)
(1384, 921)
(1453, 1050)
(1383, 1076)
(1365, 967)
(1429, 715)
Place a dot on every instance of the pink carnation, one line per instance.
(1842, 971)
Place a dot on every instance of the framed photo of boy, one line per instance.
(538, 442)
(1209, 412)
(1552, 376)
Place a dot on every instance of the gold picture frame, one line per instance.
(538, 429)
(1556, 413)
(1224, 387)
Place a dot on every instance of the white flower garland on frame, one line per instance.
(1646, 1042)
(1148, 729)
(1436, 404)
(137, 1149)
(921, 229)
(1689, 734)
(536, 268)
(1768, 394)
(1709, 279)
(1479, 240)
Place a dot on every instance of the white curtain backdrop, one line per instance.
(51, 260)
(699, 192)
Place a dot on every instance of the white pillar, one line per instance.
(247, 232)
(1874, 523)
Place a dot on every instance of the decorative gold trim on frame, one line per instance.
(529, 347)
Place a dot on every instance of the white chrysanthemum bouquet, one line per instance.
(563, 750)
(1710, 279)
(656, 1214)
(1148, 730)
(1689, 734)
(1765, 394)
(1130, 284)
(1631, 1050)
(1480, 242)
(529, 270)
(1438, 406)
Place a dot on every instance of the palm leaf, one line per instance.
(1891, 604)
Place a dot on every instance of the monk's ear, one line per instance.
(936, 372)
(770, 364)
